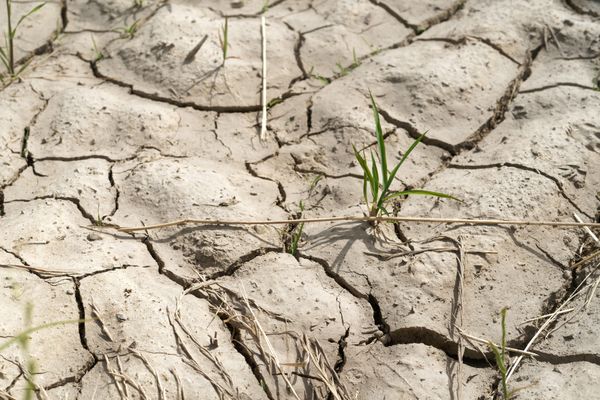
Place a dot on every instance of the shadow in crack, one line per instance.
(342, 237)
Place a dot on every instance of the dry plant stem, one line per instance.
(161, 390)
(272, 352)
(263, 126)
(458, 317)
(587, 230)
(122, 371)
(424, 220)
(113, 374)
(484, 341)
(6, 396)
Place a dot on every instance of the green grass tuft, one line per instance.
(378, 179)
(7, 52)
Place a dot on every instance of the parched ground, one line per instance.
(127, 115)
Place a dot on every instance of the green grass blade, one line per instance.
(367, 176)
(363, 163)
(26, 333)
(375, 182)
(4, 59)
(380, 140)
(33, 10)
(421, 192)
(498, 357)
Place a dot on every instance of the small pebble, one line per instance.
(93, 236)
(121, 317)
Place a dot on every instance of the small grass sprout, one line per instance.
(265, 6)
(377, 180)
(224, 39)
(7, 52)
(22, 340)
(502, 361)
(296, 233)
(128, 32)
(98, 55)
(343, 71)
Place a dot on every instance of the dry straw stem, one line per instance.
(378, 219)
(263, 126)
(271, 351)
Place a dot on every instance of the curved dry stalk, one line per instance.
(423, 220)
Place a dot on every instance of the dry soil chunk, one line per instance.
(57, 350)
(173, 189)
(413, 371)
(553, 132)
(107, 15)
(590, 7)
(336, 34)
(548, 71)
(51, 234)
(536, 380)
(86, 180)
(136, 308)
(576, 336)
(35, 30)
(105, 121)
(161, 60)
(514, 27)
(18, 106)
(420, 15)
(415, 289)
(430, 86)
(291, 299)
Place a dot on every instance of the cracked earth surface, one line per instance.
(104, 129)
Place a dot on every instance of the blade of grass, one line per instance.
(393, 173)
(34, 9)
(380, 140)
(375, 183)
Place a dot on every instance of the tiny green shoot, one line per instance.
(224, 39)
(502, 361)
(324, 80)
(22, 340)
(128, 32)
(296, 234)
(98, 55)
(343, 71)
(7, 52)
(265, 6)
(98, 221)
(378, 179)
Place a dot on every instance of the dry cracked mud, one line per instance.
(126, 114)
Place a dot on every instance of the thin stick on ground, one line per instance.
(263, 125)
(587, 229)
(423, 220)
(457, 318)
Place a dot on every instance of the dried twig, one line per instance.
(271, 351)
(263, 126)
(587, 229)
(159, 386)
(98, 319)
(466, 221)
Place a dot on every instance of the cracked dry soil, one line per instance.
(151, 128)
